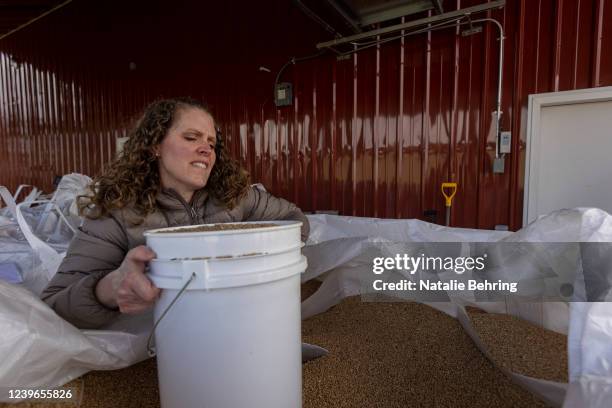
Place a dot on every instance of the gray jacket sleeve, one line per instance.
(97, 249)
(263, 206)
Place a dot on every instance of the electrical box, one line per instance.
(498, 165)
(283, 94)
(505, 141)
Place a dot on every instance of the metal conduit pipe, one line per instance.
(498, 112)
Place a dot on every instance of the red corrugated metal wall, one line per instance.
(372, 135)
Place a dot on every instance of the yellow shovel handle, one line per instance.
(449, 198)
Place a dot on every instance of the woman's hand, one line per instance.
(127, 287)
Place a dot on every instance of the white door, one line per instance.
(569, 152)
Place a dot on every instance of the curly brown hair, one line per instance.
(132, 179)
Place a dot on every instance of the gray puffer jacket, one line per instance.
(100, 245)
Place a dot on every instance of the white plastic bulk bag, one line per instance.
(345, 247)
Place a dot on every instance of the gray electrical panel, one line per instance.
(283, 94)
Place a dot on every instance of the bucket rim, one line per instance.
(204, 281)
(284, 225)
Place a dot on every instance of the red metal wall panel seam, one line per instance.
(55, 118)
(48, 123)
(468, 144)
(585, 44)
(293, 143)
(94, 111)
(279, 151)
(400, 131)
(69, 120)
(537, 43)
(26, 152)
(105, 121)
(10, 135)
(426, 125)
(13, 129)
(557, 46)
(605, 73)
(44, 147)
(483, 161)
(353, 136)
(3, 154)
(333, 135)
(66, 119)
(313, 137)
(41, 151)
(6, 164)
(82, 137)
(576, 45)
(76, 134)
(16, 130)
(58, 129)
(29, 134)
(60, 119)
(43, 117)
(118, 108)
(376, 135)
(596, 62)
(33, 133)
(452, 145)
(22, 101)
(515, 182)
(508, 18)
(48, 132)
(96, 123)
(88, 123)
(262, 145)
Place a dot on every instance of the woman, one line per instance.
(173, 171)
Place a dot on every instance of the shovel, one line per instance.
(452, 187)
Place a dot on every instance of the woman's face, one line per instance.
(187, 152)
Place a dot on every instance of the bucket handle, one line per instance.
(150, 348)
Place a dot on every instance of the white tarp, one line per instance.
(42, 350)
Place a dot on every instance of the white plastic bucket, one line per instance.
(233, 337)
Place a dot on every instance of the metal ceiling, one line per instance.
(16, 14)
(361, 13)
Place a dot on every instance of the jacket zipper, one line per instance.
(190, 210)
(193, 214)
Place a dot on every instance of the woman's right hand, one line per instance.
(127, 287)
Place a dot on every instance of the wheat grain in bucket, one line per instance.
(173, 171)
